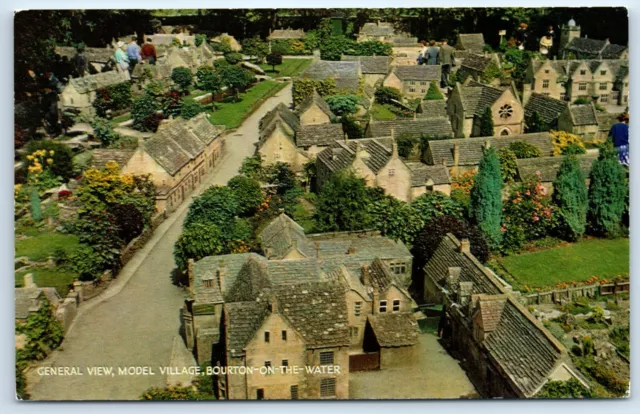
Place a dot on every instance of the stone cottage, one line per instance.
(471, 42)
(413, 80)
(432, 109)
(414, 128)
(507, 353)
(478, 66)
(80, 93)
(178, 157)
(580, 120)
(374, 68)
(547, 168)
(572, 45)
(468, 102)
(547, 107)
(381, 31)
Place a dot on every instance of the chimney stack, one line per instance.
(465, 246)
(464, 293)
(190, 272)
(273, 304)
(222, 273)
(392, 132)
(487, 144)
(365, 275)
(375, 302)
(394, 149)
(454, 275)
(456, 154)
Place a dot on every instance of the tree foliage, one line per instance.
(129, 220)
(435, 204)
(182, 78)
(190, 108)
(143, 113)
(395, 219)
(62, 156)
(564, 389)
(208, 79)
(385, 94)
(255, 47)
(236, 78)
(43, 331)
(247, 193)
(433, 94)
(217, 205)
(535, 123)
(571, 196)
(342, 105)
(198, 240)
(486, 124)
(486, 198)
(274, 59)
(343, 204)
(608, 190)
(524, 149)
(103, 130)
(352, 128)
(508, 164)
(233, 58)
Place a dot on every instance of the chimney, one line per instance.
(464, 293)
(454, 275)
(465, 246)
(415, 116)
(392, 132)
(365, 275)
(375, 302)
(351, 250)
(444, 162)
(394, 149)
(456, 154)
(273, 304)
(346, 137)
(28, 281)
(221, 273)
(190, 272)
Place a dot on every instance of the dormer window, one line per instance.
(208, 283)
(583, 72)
(603, 72)
(546, 71)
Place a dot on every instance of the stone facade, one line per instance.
(580, 120)
(413, 80)
(80, 93)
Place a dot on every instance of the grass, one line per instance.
(303, 215)
(577, 262)
(41, 245)
(231, 114)
(56, 278)
(118, 119)
(381, 113)
(289, 67)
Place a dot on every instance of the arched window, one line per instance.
(504, 132)
(505, 111)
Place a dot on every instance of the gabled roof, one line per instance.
(89, 83)
(394, 329)
(281, 113)
(323, 69)
(585, 45)
(286, 34)
(404, 41)
(322, 134)
(342, 154)
(243, 320)
(613, 51)
(371, 64)
(477, 62)
(350, 280)
(94, 54)
(471, 41)
(415, 128)
(549, 108)
(314, 99)
(418, 72)
(583, 114)
(421, 174)
(101, 156)
(252, 279)
(230, 265)
(377, 29)
(379, 276)
(475, 99)
(471, 149)
(281, 236)
(433, 109)
(548, 167)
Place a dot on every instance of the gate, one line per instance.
(364, 362)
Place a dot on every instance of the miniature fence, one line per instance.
(573, 293)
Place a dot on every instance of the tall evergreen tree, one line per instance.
(486, 123)
(571, 196)
(607, 193)
(433, 94)
(486, 198)
(535, 123)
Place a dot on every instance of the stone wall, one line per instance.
(571, 294)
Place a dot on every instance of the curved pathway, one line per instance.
(133, 323)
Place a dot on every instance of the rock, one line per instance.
(20, 262)
(253, 67)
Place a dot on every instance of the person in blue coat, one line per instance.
(620, 136)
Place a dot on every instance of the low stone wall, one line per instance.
(573, 293)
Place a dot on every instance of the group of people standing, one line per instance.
(127, 56)
(442, 54)
(545, 45)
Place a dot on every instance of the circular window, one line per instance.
(506, 111)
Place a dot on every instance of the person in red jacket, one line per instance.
(148, 52)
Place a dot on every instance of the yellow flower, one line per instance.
(49, 160)
(29, 157)
(51, 152)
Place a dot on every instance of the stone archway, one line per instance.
(505, 131)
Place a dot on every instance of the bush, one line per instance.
(303, 88)
(217, 205)
(535, 123)
(343, 204)
(248, 194)
(143, 109)
(406, 144)
(62, 165)
(198, 240)
(236, 77)
(395, 219)
(342, 105)
(129, 220)
(171, 104)
(433, 94)
(385, 94)
(571, 196)
(155, 89)
(43, 331)
(562, 140)
(200, 38)
(486, 198)
(564, 389)
(508, 164)
(523, 149)
(435, 204)
(581, 101)
(486, 124)
(233, 58)
(574, 149)
(334, 47)
(113, 97)
(352, 128)
(190, 109)
(208, 79)
(255, 47)
(103, 130)
(98, 231)
(608, 191)
(274, 59)
(182, 78)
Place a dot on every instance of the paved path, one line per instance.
(134, 322)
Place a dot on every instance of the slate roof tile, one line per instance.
(100, 157)
(471, 41)
(371, 64)
(583, 114)
(422, 173)
(415, 128)
(548, 166)
(394, 329)
(426, 73)
(322, 134)
(433, 109)
(547, 107)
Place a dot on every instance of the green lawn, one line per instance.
(56, 278)
(577, 262)
(41, 245)
(289, 67)
(303, 215)
(232, 114)
(380, 113)
(118, 119)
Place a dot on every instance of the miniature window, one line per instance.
(505, 111)
(284, 335)
(546, 71)
(294, 392)
(603, 72)
(267, 364)
(208, 283)
(357, 308)
(424, 90)
(285, 362)
(545, 83)
(412, 89)
(582, 86)
(603, 86)
(546, 94)
(396, 305)
(260, 393)
(353, 332)
(626, 99)
(604, 98)
(326, 358)
(383, 306)
(583, 72)
(412, 82)
(267, 337)
(328, 387)
(423, 83)
(392, 172)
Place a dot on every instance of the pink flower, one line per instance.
(528, 192)
(503, 229)
(536, 218)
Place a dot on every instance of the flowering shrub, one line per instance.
(64, 194)
(523, 149)
(562, 139)
(508, 164)
(527, 215)
(461, 185)
(113, 97)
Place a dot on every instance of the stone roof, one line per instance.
(101, 156)
(613, 51)
(252, 278)
(404, 41)
(379, 276)
(471, 149)
(421, 174)
(566, 68)
(243, 320)
(433, 109)
(490, 309)
(322, 134)
(230, 265)
(94, 54)
(28, 299)
(585, 45)
(394, 329)
(281, 236)
(606, 120)
(376, 153)
(350, 280)
(418, 72)
(548, 167)
(280, 112)
(583, 114)
(314, 99)
(89, 83)
(318, 311)
(415, 128)
(476, 62)
(471, 41)
(181, 141)
(549, 108)
(371, 64)
(286, 34)
(476, 98)
(323, 69)
(377, 29)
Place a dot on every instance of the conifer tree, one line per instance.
(433, 94)
(571, 196)
(486, 198)
(486, 123)
(535, 123)
(607, 193)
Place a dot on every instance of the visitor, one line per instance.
(546, 43)
(148, 52)
(522, 34)
(432, 53)
(423, 53)
(620, 136)
(121, 58)
(552, 33)
(133, 53)
(51, 88)
(446, 57)
(80, 62)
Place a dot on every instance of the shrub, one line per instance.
(385, 94)
(523, 149)
(433, 94)
(508, 164)
(574, 149)
(208, 79)
(103, 130)
(233, 58)
(129, 221)
(236, 78)
(274, 59)
(64, 194)
(352, 128)
(217, 205)
(142, 112)
(342, 105)
(191, 108)
(563, 139)
(43, 331)
(254, 46)
(155, 89)
(486, 124)
(535, 123)
(406, 145)
(200, 38)
(491, 72)
(182, 78)
(303, 88)
(435, 204)
(248, 194)
(571, 196)
(99, 233)
(486, 198)
(171, 104)
(334, 47)
(198, 240)
(113, 97)
(564, 389)
(395, 219)
(608, 191)
(62, 156)
(581, 101)
(343, 204)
